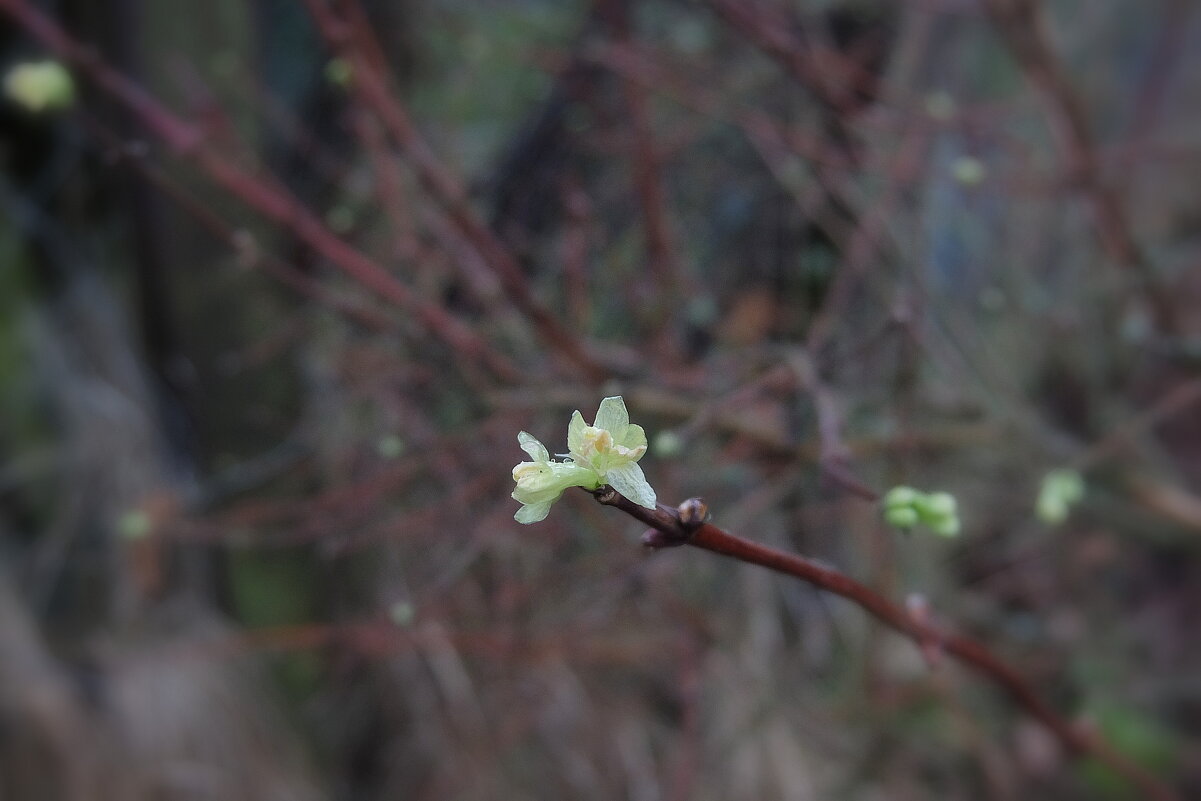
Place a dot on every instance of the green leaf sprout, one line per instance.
(605, 452)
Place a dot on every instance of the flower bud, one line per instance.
(901, 516)
(693, 513)
(1060, 491)
(938, 505)
(901, 496)
(946, 526)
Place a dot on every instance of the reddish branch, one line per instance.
(833, 77)
(237, 240)
(645, 160)
(668, 530)
(351, 37)
(266, 197)
(1020, 26)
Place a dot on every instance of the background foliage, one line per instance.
(254, 504)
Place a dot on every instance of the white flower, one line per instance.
(611, 446)
(541, 482)
(602, 453)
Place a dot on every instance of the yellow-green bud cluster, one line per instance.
(905, 507)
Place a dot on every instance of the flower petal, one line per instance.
(544, 482)
(612, 416)
(631, 482)
(575, 432)
(633, 438)
(533, 447)
(532, 513)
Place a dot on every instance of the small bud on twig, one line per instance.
(694, 513)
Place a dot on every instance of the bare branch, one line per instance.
(668, 530)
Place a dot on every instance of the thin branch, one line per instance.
(267, 198)
(352, 39)
(646, 163)
(832, 77)
(669, 529)
(1021, 30)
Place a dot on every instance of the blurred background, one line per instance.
(280, 282)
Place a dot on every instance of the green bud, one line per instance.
(901, 497)
(969, 171)
(1061, 490)
(668, 444)
(901, 516)
(938, 505)
(946, 527)
(905, 507)
(390, 446)
(1051, 510)
(40, 86)
(338, 71)
(402, 613)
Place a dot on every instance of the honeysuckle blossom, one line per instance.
(605, 452)
(541, 482)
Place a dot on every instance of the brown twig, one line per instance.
(669, 529)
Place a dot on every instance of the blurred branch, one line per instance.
(1165, 57)
(240, 241)
(272, 201)
(1176, 400)
(1021, 30)
(834, 79)
(384, 638)
(685, 526)
(722, 414)
(646, 166)
(834, 455)
(352, 39)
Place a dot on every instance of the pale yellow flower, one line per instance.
(611, 446)
(603, 453)
(541, 482)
